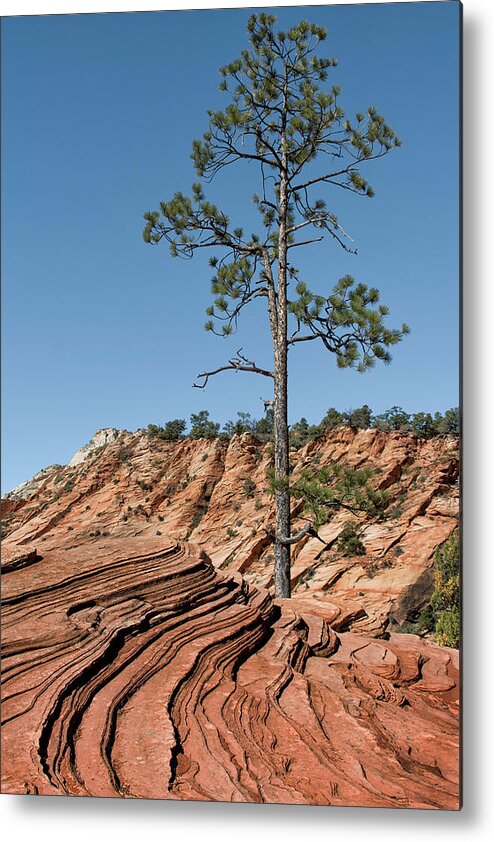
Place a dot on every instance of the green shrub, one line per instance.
(395, 511)
(249, 487)
(301, 432)
(360, 419)
(448, 628)
(244, 424)
(451, 422)
(393, 419)
(442, 615)
(172, 431)
(332, 419)
(201, 427)
(196, 520)
(349, 542)
(124, 454)
(264, 427)
(423, 425)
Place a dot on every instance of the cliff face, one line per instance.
(214, 494)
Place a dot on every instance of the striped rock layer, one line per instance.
(215, 494)
(133, 668)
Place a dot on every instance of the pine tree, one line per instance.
(361, 418)
(280, 118)
(332, 419)
(172, 431)
(201, 427)
(393, 419)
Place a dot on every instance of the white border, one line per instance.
(92, 819)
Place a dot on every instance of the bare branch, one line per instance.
(309, 242)
(307, 531)
(238, 363)
(294, 338)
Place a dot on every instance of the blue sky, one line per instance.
(99, 113)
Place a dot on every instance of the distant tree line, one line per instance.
(201, 427)
(421, 424)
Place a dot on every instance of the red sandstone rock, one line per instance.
(133, 668)
(195, 490)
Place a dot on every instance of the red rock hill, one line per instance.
(214, 495)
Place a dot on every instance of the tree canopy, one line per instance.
(280, 118)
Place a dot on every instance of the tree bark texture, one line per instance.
(281, 444)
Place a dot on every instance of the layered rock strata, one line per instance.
(133, 668)
(215, 494)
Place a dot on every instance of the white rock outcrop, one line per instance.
(100, 439)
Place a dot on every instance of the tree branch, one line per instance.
(309, 242)
(238, 363)
(304, 338)
(307, 530)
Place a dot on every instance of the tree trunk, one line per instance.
(281, 445)
(281, 472)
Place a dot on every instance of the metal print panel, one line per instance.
(246, 585)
